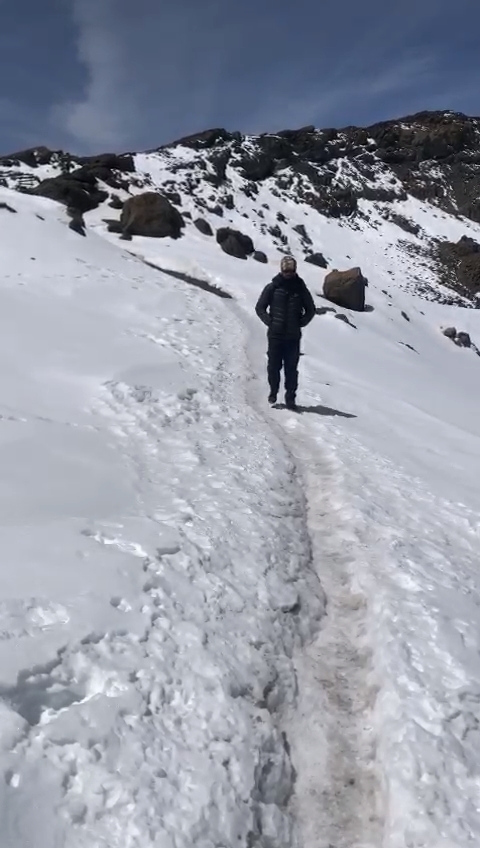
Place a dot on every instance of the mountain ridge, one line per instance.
(353, 175)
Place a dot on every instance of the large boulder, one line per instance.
(77, 191)
(346, 288)
(235, 243)
(152, 215)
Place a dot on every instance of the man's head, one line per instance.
(288, 266)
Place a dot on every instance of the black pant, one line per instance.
(284, 352)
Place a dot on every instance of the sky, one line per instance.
(90, 76)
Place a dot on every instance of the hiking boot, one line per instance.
(272, 399)
(290, 404)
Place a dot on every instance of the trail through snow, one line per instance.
(337, 799)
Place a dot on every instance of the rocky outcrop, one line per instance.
(203, 227)
(235, 243)
(460, 265)
(152, 215)
(346, 289)
(78, 190)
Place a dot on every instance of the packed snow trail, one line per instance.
(337, 799)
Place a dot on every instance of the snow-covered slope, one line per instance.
(173, 663)
(149, 598)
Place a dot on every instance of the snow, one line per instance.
(223, 623)
(150, 600)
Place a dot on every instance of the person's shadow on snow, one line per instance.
(319, 410)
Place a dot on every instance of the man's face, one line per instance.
(288, 273)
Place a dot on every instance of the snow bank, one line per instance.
(156, 563)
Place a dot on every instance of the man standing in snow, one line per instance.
(285, 306)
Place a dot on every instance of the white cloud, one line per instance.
(103, 117)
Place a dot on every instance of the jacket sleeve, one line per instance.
(262, 305)
(309, 307)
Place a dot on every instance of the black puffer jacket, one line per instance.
(285, 306)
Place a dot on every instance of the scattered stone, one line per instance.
(404, 315)
(345, 320)
(152, 215)
(463, 340)
(317, 259)
(404, 223)
(260, 256)
(113, 225)
(7, 207)
(203, 227)
(116, 202)
(450, 332)
(346, 289)
(77, 224)
(235, 243)
(300, 229)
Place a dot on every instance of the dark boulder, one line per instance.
(257, 168)
(78, 191)
(113, 225)
(110, 161)
(203, 226)
(346, 289)
(450, 332)
(260, 256)
(116, 202)
(300, 229)
(317, 259)
(152, 215)
(235, 243)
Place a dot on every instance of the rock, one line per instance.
(463, 340)
(235, 243)
(77, 224)
(151, 215)
(7, 207)
(346, 320)
(450, 332)
(79, 191)
(257, 168)
(260, 256)
(460, 265)
(116, 202)
(123, 162)
(317, 259)
(404, 223)
(404, 315)
(113, 225)
(126, 236)
(173, 196)
(203, 226)
(346, 289)
(300, 229)
(217, 210)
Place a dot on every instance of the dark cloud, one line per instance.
(112, 74)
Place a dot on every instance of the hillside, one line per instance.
(223, 623)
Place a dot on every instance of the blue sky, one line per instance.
(96, 75)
